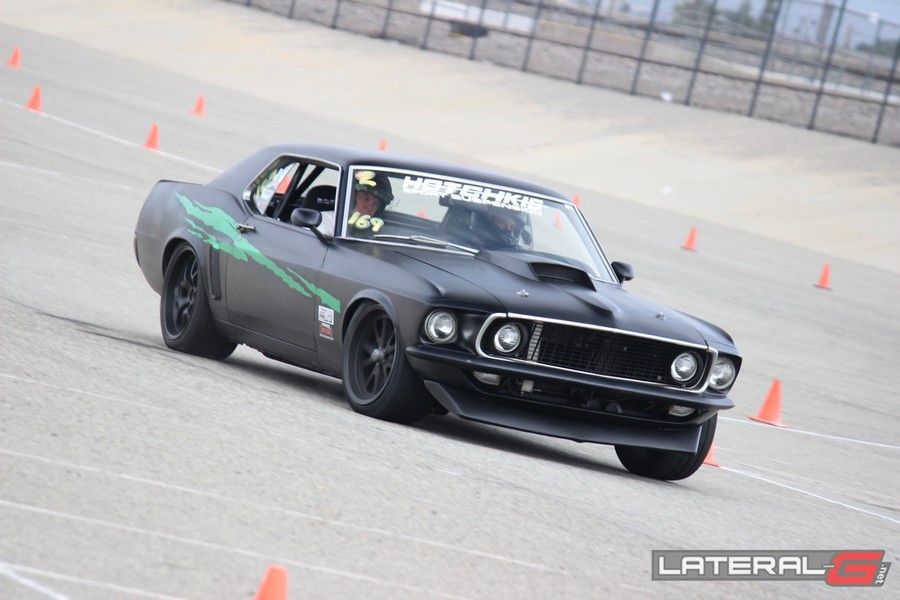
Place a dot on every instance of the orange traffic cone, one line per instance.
(710, 459)
(825, 277)
(382, 145)
(576, 200)
(691, 243)
(35, 102)
(274, 585)
(200, 107)
(153, 139)
(770, 413)
(15, 61)
(557, 219)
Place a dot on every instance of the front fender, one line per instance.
(359, 300)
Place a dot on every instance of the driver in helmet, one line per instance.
(371, 195)
(497, 228)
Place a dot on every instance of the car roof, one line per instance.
(236, 178)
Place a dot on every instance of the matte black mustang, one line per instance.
(429, 287)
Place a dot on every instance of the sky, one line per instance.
(888, 9)
(862, 17)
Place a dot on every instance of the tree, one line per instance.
(694, 12)
(767, 16)
(883, 47)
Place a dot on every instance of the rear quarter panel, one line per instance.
(164, 221)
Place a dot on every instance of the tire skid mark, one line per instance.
(229, 549)
(40, 171)
(284, 511)
(77, 391)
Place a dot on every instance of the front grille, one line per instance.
(599, 352)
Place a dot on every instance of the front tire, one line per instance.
(667, 464)
(185, 318)
(378, 380)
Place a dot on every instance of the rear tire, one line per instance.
(378, 380)
(185, 318)
(667, 464)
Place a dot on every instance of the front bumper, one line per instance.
(447, 375)
(469, 406)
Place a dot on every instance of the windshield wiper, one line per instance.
(424, 240)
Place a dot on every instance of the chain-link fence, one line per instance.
(828, 65)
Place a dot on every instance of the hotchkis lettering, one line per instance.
(476, 194)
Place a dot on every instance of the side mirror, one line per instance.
(624, 271)
(307, 217)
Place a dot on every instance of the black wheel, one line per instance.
(184, 315)
(667, 464)
(378, 380)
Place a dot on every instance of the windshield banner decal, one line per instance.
(475, 194)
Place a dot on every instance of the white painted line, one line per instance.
(824, 435)
(60, 174)
(6, 570)
(89, 582)
(817, 496)
(231, 549)
(51, 461)
(284, 511)
(111, 138)
(77, 391)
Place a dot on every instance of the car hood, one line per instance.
(530, 284)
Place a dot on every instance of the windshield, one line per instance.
(395, 206)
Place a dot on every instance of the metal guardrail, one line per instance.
(810, 63)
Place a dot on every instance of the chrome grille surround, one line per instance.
(597, 361)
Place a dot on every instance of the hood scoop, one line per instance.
(559, 273)
(537, 267)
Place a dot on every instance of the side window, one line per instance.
(268, 191)
(318, 188)
(317, 191)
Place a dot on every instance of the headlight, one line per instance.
(507, 338)
(684, 367)
(440, 326)
(722, 374)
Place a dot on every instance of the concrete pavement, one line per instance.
(833, 195)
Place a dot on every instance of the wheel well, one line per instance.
(352, 310)
(368, 297)
(170, 249)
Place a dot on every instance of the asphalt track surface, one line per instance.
(131, 471)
